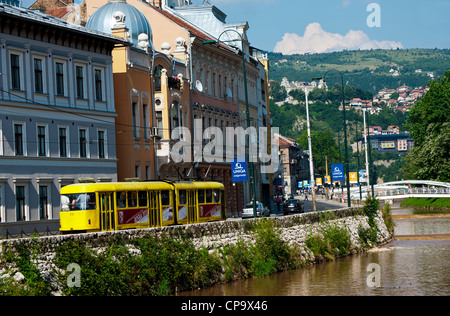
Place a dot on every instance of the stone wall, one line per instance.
(293, 229)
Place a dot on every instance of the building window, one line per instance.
(159, 124)
(101, 144)
(62, 142)
(20, 203)
(79, 80)
(43, 201)
(221, 95)
(175, 116)
(1, 142)
(137, 171)
(98, 85)
(208, 82)
(214, 85)
(60, 79)
(146, 122)
(148, 172)
(83, 143)
(15, 72)
(38, 78)
(18, 139)
(134, 114)
(41, 141)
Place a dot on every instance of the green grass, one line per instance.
(428, 205)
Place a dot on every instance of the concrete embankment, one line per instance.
(294, 231)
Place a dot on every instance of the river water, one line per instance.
(403, 267)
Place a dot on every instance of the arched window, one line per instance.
(175, 115)
(157, 75)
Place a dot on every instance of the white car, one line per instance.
(261, 210)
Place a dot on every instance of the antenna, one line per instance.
(229, 93)
(199, 86)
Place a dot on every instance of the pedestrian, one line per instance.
(306, 195)
(278, 200)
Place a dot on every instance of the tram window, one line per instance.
(216, 195)
(132, 199)
(78, 202)
(165, 198)
(121, 199)
(142, 195)
(208, 196)
(201, 196)
(182, 197)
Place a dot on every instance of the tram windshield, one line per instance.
(78, 202)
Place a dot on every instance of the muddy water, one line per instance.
(419, 267)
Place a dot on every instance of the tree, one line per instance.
(431, 160)
(433, 110)
(323, 145)
(430, 127)
(277, 92)
(298, 95)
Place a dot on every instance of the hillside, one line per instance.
(370, 70)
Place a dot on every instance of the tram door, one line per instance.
(107, 221)
(192, 206)
(154, 209)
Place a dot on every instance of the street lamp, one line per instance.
(252, 172)
(366, 149)
(346, 166)
(311, 165)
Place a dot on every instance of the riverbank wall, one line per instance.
(295, 231)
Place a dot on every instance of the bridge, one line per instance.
(406, 189)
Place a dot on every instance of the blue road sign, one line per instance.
(337, 172)
(239, 171)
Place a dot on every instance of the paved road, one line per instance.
(321, 205)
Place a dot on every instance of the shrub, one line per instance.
(387, 217)
(334, 242)
(367, 236)
(371, 207)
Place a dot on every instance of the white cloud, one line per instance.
(317, 40)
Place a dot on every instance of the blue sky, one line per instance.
(340, 24)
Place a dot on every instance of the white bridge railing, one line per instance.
(413, 191)
(403, 192)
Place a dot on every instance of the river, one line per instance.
(403, 267)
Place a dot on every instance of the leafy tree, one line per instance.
(430, 127)
(298, 95)
(432, 111)
(431, 160)
(277, 92)
(323, 145)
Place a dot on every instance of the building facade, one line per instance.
(133, 87)
(57, 115)
(216, 84)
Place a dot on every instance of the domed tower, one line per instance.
(119, 12)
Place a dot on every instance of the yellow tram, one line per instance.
(92, 207)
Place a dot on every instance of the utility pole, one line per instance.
(311, 164)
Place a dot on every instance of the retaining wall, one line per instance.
(294, 229)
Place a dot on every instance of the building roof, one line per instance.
(43, 18)
(135, 21)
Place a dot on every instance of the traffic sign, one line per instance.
(239, 171)
(337, 172)
(353, 176)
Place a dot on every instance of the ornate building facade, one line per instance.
(57, 114)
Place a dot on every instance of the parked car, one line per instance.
(261, 210)
(293, 206)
